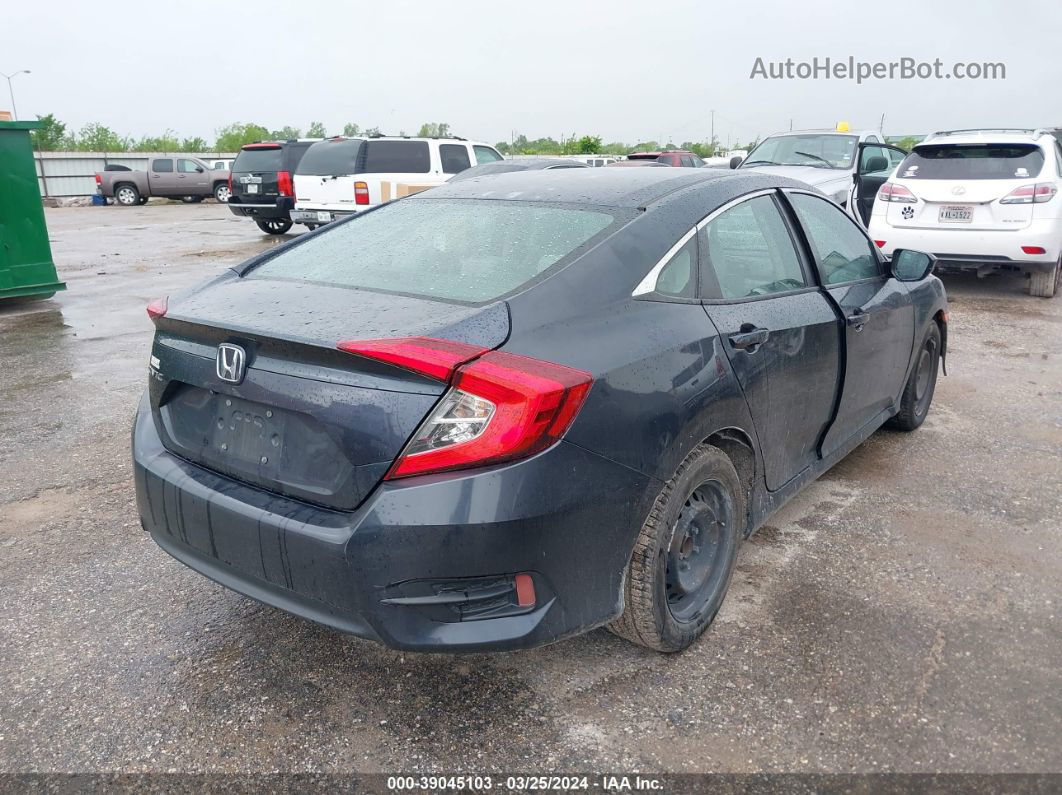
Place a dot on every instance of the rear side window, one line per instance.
(402, 157)
(842, 252)
(749, 252)
(330, 158)
(162, 166)
(484, 154)
(257, 160)
(679, 276)
(457, 250)
(973, 161)
(454, 158)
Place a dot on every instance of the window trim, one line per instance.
(647, 286)
(884, 275)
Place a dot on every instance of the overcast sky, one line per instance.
(623, 70)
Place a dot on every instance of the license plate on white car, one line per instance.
(324, 217)
(955, 214)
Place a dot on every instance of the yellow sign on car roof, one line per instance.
(842, 126)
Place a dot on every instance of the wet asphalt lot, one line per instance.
(902, 614)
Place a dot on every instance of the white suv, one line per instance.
(340, 176)
(978, 200)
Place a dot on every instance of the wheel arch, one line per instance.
(737, 445)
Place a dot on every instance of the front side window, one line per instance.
(842, 251)
(454, 158)
(818, 150)
(874, 160)
(187, 166)
(162, 166)
(397, 157)
(686, 160)
(973, 161)
(484, 154)
(749, 253)
(457, 250)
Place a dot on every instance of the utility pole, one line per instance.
(11, 91)
(881, 127)
(712, 140)
(790, 125)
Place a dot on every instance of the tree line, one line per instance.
(54, 136)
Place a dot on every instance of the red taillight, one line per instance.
(230, 183)
(501, 406)
(157, 308)
(1034, 249)
(879, 243)
(422, 355)
(284, 184)
(891, 192)
(361, 193)
(99, 180)
(1031, 194)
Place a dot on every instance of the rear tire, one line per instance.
(191, 199)
(126, 195)
(143, 200)
(274, 226)
(1044, 284)
(918, 393)
(684, 554)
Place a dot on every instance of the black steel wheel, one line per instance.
(274, 226)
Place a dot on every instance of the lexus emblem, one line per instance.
(231, 363)
(958, 190)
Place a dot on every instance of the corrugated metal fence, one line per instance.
(74, 173)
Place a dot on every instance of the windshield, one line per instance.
(330, 158)
(821, 151)
(256, 160)
(458, 250)
(973, 161)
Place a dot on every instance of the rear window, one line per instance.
(330, 158)
(456, 250)
(972, 161)
(403, 157)
(257, 160)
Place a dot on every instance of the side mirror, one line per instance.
(199, 169)
(735, 161)
(911, 266)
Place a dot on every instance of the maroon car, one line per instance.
(673, 157)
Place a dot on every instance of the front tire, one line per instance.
(222, 193)
(127, 195)
(684, 555)
(274, 226)
(921, 384)
(1044, 284)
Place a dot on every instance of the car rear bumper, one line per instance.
(278, 210)
(389, 571)
(322, 216)
(976, 249)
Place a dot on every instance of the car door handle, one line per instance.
(749, 340)
(858, 319)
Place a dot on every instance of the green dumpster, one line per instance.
(26, 267)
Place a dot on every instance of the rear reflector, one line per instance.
(361, 193)
(1034, 249)
(879, 243)
(157, 308)
(525, 590)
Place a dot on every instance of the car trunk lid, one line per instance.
(305, 420)
(971, 205)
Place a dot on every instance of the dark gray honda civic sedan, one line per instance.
(510, 410)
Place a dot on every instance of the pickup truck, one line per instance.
(185, 178)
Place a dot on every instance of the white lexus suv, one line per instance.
(979, 200)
